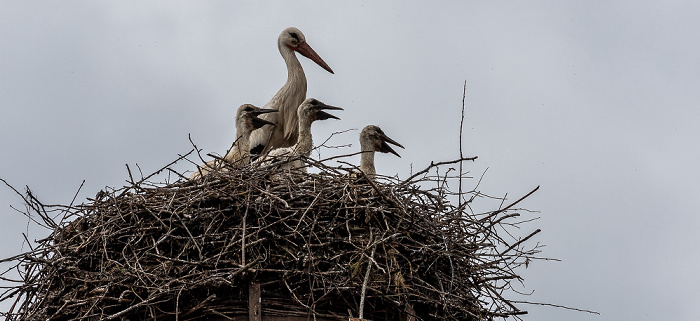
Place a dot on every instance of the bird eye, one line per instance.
(294, 35)
(248, 109)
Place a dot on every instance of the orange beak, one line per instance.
(307, 52)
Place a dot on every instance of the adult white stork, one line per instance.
(246, 121)
(308, 112)
(373, 139)
(288, 98)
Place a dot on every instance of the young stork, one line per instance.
(308, 112)
(246, 121)
(373, 139)
(288, 98)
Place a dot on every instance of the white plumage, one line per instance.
(288, 98)
(246, 122)
(287, 157)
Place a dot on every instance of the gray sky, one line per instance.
(595, 101)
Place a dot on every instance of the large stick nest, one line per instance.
(319, 245)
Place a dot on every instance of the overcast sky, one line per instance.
(596, 101)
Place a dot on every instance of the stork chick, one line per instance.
(373, 139)
(246, 121)
(288, 98)
(308, 112)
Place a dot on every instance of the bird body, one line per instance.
(246, 122)
(373, 139)
(308, 112)
(288, 98)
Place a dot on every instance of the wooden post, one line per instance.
(254, 302)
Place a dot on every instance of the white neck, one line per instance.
(367, 162)
(295, 73)
(305, 143)
(239, 155)
(292, 94)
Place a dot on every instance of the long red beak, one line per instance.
(307, 52)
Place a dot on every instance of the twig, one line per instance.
(461, 132)
(366, 279)
(433, 165)
(556, 306)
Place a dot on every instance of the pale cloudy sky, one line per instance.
(596, 101)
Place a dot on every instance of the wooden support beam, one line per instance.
(254, 302)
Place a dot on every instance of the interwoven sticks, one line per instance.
(319, 245)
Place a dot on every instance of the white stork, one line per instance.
(373, 139)
(246, 121)
(288, 98)
(308, 112)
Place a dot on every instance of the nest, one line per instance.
(324, 245)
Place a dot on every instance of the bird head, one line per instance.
(248, 116)
(313, 109)
(379, 141)
(295, 40)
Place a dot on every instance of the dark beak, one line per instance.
(322, 115)
(261, 111)
(307, 52)
(385, 148)
(259, 122)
